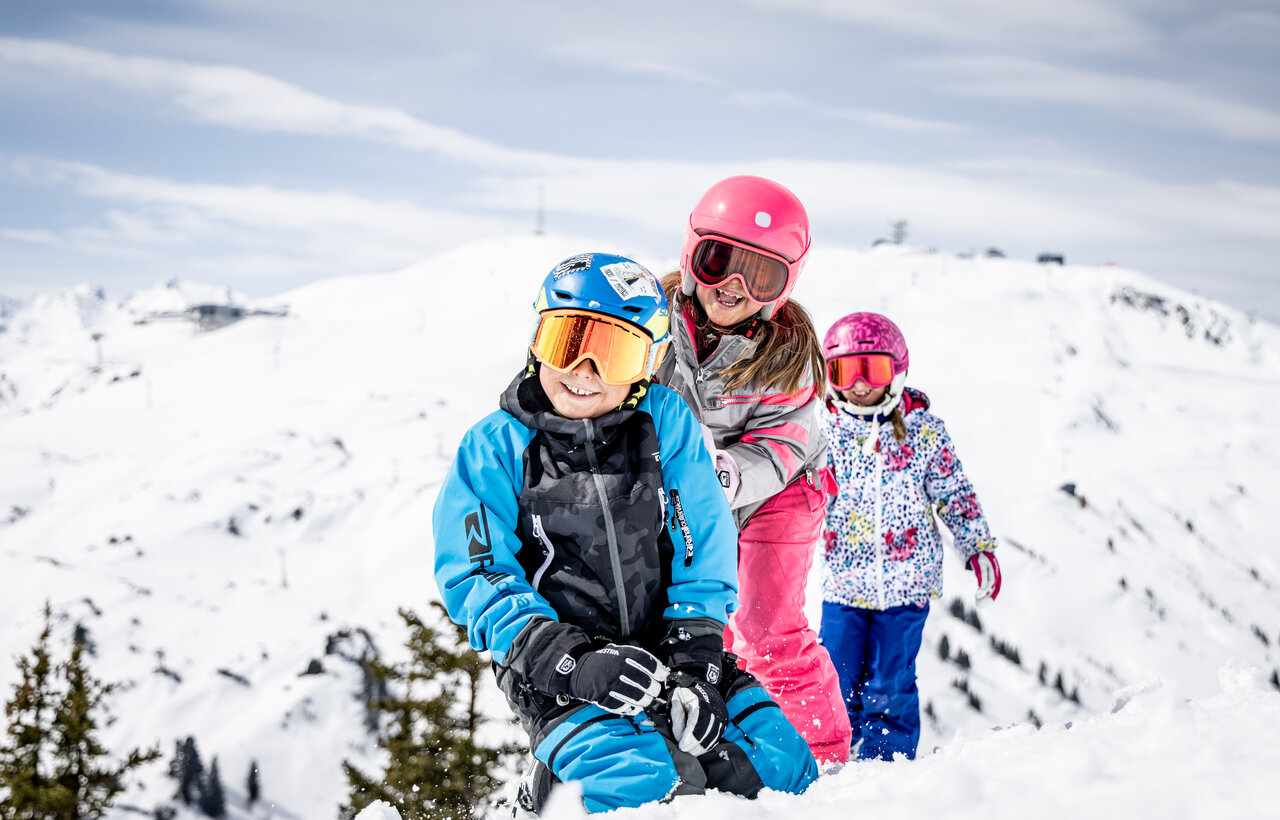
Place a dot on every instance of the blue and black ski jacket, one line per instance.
(552, 533)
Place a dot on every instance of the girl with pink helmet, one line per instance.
(891, 465)
(747, 360)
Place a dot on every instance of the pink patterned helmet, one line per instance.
(862, 333)
(756, 212)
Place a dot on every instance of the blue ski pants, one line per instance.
(629, 761)
(874, 652)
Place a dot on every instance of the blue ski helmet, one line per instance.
(613, 286)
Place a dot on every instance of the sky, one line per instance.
(262, 144)
(220, 510)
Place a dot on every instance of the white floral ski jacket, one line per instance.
(882, 545)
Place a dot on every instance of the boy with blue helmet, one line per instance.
(583, 539)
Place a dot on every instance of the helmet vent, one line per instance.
(562, 294)
(763, 219)
(632, 308)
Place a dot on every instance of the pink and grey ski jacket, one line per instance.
(774, 437)
(882, 545)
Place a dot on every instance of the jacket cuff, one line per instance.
(694, 646)
(546, 652)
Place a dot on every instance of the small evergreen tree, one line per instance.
(190, 773)
(252, 788)
(25, 761)
(213, 800)
(438, 768)
(51, 765)
(175, 764)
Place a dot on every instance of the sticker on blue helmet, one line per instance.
(630, 280)
(573, 264)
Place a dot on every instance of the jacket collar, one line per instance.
(525, 400)
(737, 342)
(911, 401)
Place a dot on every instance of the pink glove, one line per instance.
(726, 468)
(987, 569)
(727, 472)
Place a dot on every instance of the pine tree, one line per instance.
(213, 800)
(252, 788)
(175, 764)
(190, 773)
(26, 760)
(53, 764)
(438, 768)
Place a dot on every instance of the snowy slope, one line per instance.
(218, 508)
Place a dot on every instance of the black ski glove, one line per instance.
(698, 713)
(696, 646)
(624, 680)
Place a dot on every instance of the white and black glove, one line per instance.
(698, 714)
(622, 679)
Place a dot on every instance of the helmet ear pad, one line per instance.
(688, 286)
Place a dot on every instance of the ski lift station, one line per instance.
(207, 317)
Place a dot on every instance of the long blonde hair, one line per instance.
(787, 346)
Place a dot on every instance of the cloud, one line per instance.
(326, 230)
(625, 63)
(1005, 200)
(239, 98)
(28, 236)
(1255, 28)
(1180, 105)
(1077, 26)
(877, 119)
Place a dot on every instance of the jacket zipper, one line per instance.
(880, 548)
(541, 535)
(611, 535)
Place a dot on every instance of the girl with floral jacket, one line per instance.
(893, 468)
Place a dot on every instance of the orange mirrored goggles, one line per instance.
(876, 369)
(622, 352)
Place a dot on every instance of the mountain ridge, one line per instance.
(214, 507)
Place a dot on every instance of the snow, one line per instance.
(218, 507)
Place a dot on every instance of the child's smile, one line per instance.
(580, 394)
(863, 394)
(726, 305)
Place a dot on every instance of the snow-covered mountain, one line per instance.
(219, 509)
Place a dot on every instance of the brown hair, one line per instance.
(787, 346)
(899, 424)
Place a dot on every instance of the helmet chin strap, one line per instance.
(886, 404)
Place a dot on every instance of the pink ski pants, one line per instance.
(770, 632)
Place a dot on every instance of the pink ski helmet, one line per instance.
(756, 212)
(863, 333)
